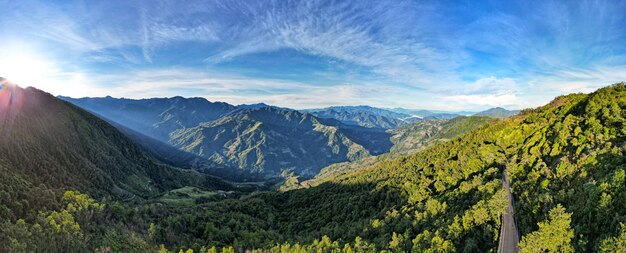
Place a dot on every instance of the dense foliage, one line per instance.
(566, 163)
(49, 146)
(572, 152)
(408, 140)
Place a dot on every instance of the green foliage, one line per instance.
(572, 152)
(408, 140)
(554, 235)
(55, 230)
(566, 163)
(615, 244)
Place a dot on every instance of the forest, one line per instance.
(566, 162)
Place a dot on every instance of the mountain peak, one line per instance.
(497, 112)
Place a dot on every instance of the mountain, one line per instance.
(497, 112)
(171, 155)
(410, 139)
(48, 144)
(155, 117)
(253, 106)
(365, 116)
(241, 143)
(260, 105)
(268, 140)
(565, 162)
(427, 132)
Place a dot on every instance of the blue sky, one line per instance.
(444, 55)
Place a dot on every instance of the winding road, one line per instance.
(509, 236)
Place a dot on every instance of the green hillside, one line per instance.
(408, 140)
(566, 162)
(49, 146)
(427, 132)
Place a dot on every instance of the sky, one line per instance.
(441, 55)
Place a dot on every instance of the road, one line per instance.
(509, 236)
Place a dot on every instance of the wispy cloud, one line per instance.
(384, 37)
(230, 88)
(468, 55)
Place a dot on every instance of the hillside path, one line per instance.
(509, 236)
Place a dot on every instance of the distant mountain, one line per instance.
(365, 116)
(155, 117)
(410, 139)
(427, 132)
(260, 105)
(498, 112)
(268, 140)
(47, 143)
(171, 155)
(243, 142)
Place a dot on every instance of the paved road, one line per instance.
(509, 236)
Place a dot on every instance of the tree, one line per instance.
(615, 244)
(553, 235)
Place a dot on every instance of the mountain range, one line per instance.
(155, 117)
(565, 163)
(251, 141)
(48, 143)
(365, 116)
(407, 140)
(238, 142)
(269, 140)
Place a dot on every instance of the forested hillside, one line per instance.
(428, 132)
(566, 162)
(49, 146)
(407, 140)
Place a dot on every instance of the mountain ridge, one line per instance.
(82, 140)
(264, 139)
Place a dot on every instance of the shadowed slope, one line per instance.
(48, 141)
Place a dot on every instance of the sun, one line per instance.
(25, 68)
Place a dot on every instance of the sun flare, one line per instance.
(25, 69)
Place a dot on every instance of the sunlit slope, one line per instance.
(269, 140)
(410, 139)
(449, 197)
(569, 152)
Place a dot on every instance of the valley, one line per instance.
(312, 126)
(437, 184)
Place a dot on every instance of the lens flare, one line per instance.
(11, 99)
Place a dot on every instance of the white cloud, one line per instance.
(216, 86)
(492, 85)
(474, 101)
(412, 54)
